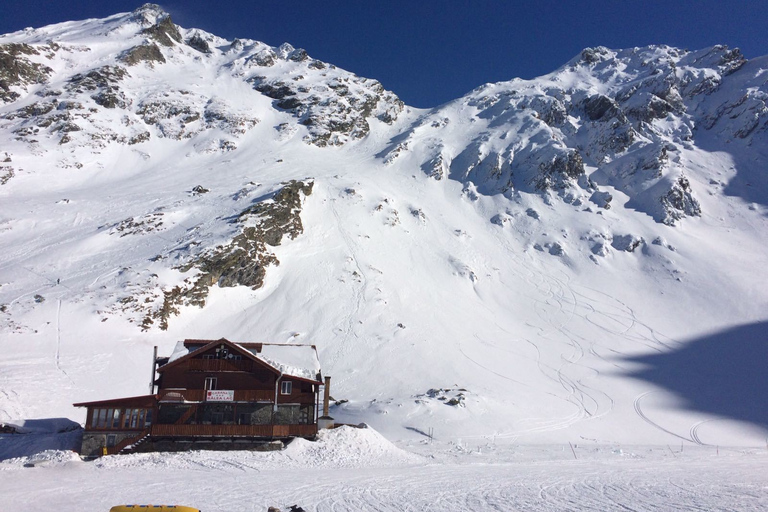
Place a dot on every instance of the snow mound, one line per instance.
(44, 458)
(349, 447)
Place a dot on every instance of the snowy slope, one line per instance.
(535, 253)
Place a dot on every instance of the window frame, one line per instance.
(286, 387)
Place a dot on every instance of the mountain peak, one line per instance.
(149, 14)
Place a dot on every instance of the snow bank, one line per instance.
(344, 447)
(44, 458)
(349, 447)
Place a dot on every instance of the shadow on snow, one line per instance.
(725, 373)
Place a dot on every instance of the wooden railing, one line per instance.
(233, 430)
(241, 395)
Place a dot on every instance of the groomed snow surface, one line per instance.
(358, 469)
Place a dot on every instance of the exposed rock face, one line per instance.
(164, 31)
(148, 53)
(102, 83)
(245, 259)
(17, 70)
(678, 202)
(334, 112)
(198, 43)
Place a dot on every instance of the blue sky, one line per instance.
(428, 51)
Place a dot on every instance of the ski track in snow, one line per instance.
(610, 482)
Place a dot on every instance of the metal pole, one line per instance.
(154, 370)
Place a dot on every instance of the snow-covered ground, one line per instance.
(357, 469)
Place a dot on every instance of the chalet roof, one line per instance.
(132, 401)
(299, 361)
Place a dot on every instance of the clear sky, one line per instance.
(430, 51)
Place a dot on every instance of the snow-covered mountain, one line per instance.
(579, 256)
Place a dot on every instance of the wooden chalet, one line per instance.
(213, 394)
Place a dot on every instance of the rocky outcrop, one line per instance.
(163, 31)
(148, 53)
(17, 70)
(335, 109)
(102, 83)
(679, 202)
(244, 260)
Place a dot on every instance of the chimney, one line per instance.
(327, 397)
(325, 421)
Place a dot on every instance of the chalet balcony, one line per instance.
(240, 395)
(233, 430)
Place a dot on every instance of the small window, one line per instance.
(210, 383)
(111, 438)
(94, 418)
(134, 418)
(102, 418)
(116, 419)
(286, 387)
(148, 418)
(208, 356)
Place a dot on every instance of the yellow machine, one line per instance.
(152, 508)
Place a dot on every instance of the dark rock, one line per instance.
(18, 70)
(6, 173)
(679, 202)
(594, 55)
(298, 55)
(148, 53)
(138, 139)
(243, 261)
(199, 44)
(599, 106)
(164, 32)
(563, 167)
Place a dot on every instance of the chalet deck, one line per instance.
(213, 392)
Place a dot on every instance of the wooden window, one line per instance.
(102, 418)
(94, 418)
(134, 418)
(111, 438)
(115, 419)
(286, 387)
(126, 418)
(210, 383)
(148, 418)
(208, 356)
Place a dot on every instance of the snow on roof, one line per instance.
(294, 360)
(179, 351)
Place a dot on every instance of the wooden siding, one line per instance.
(219, 365)
(233, 430)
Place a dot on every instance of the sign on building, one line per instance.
(220, 395)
